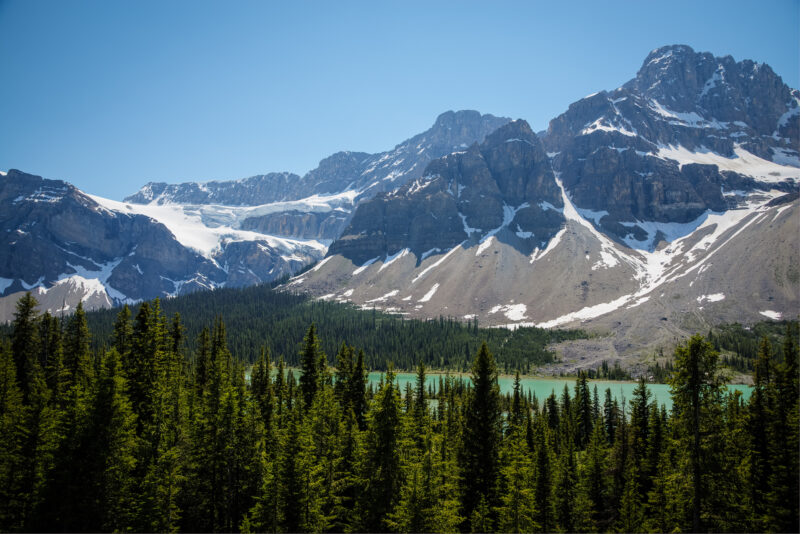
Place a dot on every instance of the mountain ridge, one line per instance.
(630, 205)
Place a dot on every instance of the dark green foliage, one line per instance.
(12, 441)
(310, 366)
(262, 317)
(697, 395)
(163, 433)
(481, 439)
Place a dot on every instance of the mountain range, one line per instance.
(663, 206)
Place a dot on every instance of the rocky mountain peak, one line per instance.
(514, 130)
(719, 89)
(455, 130)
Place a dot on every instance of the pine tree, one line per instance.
(544, 514)
(516, 511)
(25, 342)
(631, 513)
(696, 393)
(114, 426)
(122, 338)
(595, 484)
(325, 418)
(610, 416)
(381, 468)
(517, 413)
(564, 489)
(309, 364)
(43, 438)
(668, 498)
(584, 411)
(304, 480)
(344, 372)
(346, 480)
(638, 431)
(263, 393)
(12, 440)
(280, 388)
(206, 506)
(784, 495)
(481, 436)
(357, 390)
(481, 519)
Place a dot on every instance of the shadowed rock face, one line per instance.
(503, 185)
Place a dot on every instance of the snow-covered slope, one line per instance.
(208, 228)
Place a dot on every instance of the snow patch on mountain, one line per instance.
(743, 162)
(385, 297)
(514, 312)
(394, 257)
(601, 124)
(438, 262)
(716, 297)
(484, 244)
(430, 293)
(509, 213)
(551, 245)
(4, 284)
(364, 266)
(668, 231)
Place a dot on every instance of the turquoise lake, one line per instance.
(543, 386)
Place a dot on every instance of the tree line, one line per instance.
(259, 316)
(147, 435)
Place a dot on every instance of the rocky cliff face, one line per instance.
(690, 133)
(503, 187)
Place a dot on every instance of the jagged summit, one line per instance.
(716, 88)
(343, 171)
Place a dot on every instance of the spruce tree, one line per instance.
(565, 486)
(517, 509)
(584, 411)
(481, 437)
(381, 468)
(357, 391)
(310, 366)
(595, 483)
(696, 393)
(114, 427)
(12, 440)
(784, 494)
(25, 341)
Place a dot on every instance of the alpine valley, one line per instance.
(657, 209)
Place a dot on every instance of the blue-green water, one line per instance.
(543, 387)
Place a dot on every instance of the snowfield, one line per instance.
(205, 228)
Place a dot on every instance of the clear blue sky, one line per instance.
(110, 95)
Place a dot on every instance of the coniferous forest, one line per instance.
(153, 431)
